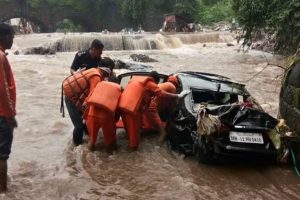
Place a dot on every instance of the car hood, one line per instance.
(239, 117)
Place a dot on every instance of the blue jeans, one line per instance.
(76, 117)
(6, 138)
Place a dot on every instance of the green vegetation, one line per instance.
(186, 8)
(202, 11)
(279, 18)
(68, 26)
(133, 10)
(214, 11)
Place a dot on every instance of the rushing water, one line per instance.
(74, 41)
(45, 165)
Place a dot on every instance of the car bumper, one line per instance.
(245, 153)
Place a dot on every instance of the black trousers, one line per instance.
(76, 117)
(6, 138)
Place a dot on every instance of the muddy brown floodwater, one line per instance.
(45, 165)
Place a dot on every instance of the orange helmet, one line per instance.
(173, 80)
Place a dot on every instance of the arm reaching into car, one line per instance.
(171, 95)
(184, 93)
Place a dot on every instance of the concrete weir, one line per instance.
(118, 42)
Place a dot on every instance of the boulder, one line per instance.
(39, 50)
(142, 58)
(119, 64)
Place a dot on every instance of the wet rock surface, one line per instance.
(119, 64)
(142, 58)
(230, 44)
(289, 105)
(40, 51)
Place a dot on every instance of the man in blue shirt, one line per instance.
(89, 58)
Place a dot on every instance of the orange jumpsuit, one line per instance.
(96, 118)
(133, 122)
(150, 116)
(99, 118)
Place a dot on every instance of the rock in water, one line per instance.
(39, 50)
(142, 58)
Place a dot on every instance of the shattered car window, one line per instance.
(213, 97)
(214, 85)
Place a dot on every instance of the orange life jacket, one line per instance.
(105, 95)
(168, 87)
(161, 103)
(77, 87)
(133, 94)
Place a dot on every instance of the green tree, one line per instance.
(280, 18)
(214, 11)
(186, 8)
(133, 10)
(68, 26)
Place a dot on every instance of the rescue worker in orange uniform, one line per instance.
(102, 104)
(135, 99)
(151, 118)
(76, 89)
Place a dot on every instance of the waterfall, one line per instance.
(147, 41)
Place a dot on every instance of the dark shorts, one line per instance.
(6, 138)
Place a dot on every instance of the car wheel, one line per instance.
(205, 151)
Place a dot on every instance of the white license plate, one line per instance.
(255, 138)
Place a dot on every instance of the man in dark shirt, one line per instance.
(89, 58)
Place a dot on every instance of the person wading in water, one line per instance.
(7, 103)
